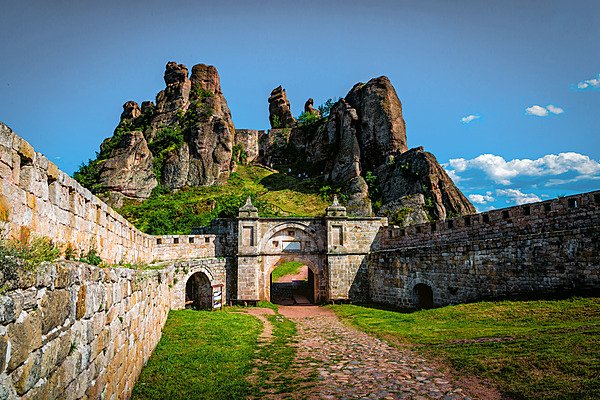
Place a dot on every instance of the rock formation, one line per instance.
(309, 107)
(185, 140)
(280, 113)
(418, 172)
(129, 169)
(363, 138)
(359, 148)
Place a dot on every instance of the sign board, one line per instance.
(217, 297)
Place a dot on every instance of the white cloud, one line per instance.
(537, 111)
(469, 118)
(455, 178)
(502, 171)
(517, 196)
(540, 111)
(481, 198)
(554, 110)
(593, 83)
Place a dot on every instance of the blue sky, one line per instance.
(505, 94)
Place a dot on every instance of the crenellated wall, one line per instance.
(529, 250)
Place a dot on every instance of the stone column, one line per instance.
(336, 221)
(248, 256)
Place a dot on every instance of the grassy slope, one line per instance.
(543, 349)
(201, 355)
(286, 268)
(273, 193)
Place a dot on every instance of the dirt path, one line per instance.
(353, 365)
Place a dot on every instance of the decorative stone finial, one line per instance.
(336, 210)
(248, 210)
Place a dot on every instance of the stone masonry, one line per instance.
(69, 330)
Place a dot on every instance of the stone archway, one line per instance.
(296, 292)
(198, 292)
(302, 241)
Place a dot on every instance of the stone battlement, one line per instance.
(570, 212)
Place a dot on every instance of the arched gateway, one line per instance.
(334, 248)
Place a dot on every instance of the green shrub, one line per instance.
(325, 108)
(91, 257)
(88, 175)
(307, 118)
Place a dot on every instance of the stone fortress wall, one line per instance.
(71, 331)
(527, 250)
(37, 199)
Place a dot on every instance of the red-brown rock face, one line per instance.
(187, 137)
(280, 114)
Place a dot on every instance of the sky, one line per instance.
(505, 94)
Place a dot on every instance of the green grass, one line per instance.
(286, 268)
(201, 355)
(277, 373)
(274, 194)
(531, 349)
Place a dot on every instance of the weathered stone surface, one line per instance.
(280, 113)
(417, 171)
(309, 107)
(129, 168)
(381, 131)
(3, 353)
(406, 211)
(25, 336)
(131, 110)
(55, 309)
(248, 141)
(7, 310)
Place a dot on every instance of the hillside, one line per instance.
(274, 194)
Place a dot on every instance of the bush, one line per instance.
(325, 108)
(16, 255)
(91, 257)
(307, 118)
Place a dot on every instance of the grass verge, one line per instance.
(531, 349)
(286, 268)
(277, 374)
(201, 355)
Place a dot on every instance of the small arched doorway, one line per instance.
(198, 292)
(423, 296)
(292, 282)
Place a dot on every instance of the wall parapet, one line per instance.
(570, 212)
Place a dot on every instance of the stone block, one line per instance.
(7, 310)
(27, 375)
(55, 309)
(24, 149)
(81, 302)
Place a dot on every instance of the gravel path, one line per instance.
(353, 365)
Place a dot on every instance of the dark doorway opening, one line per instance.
(198, 292)
(423, 296)
(295, 287)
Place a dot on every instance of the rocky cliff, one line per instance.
(360, 148)
(357, 148)
(186, 139)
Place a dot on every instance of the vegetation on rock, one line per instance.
(274, 194)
